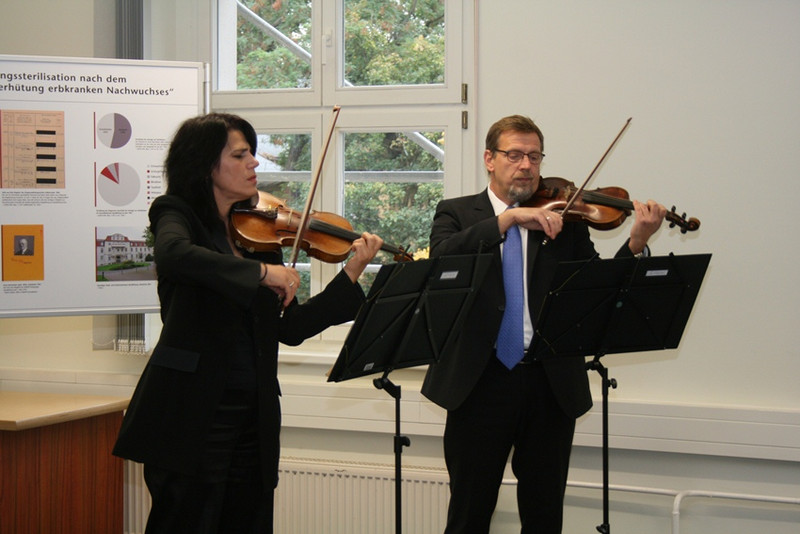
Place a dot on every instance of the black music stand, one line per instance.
(601, 307)
(413, 312)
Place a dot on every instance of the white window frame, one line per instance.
(327, 64)
(449, 92)
(439, 107)
(224, 67)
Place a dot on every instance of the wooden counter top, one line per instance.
(21, 410)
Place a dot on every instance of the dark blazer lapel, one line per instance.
(482, 210)
(483, 206)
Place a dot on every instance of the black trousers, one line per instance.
(227, 495)
(508, 409)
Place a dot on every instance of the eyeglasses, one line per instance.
(515, 156)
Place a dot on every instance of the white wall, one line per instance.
(712, 87)
(79, 28)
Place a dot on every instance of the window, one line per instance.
(392, 183)
(264, 45)
(299, 47)
(394, 42)
(284, 172)
(396, 68)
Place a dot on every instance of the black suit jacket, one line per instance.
(468, 225)
(206, 298)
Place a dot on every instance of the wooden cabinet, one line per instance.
(57, 473)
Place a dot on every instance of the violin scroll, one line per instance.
(680, 221)
(402, 254)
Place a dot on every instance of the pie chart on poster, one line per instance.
(114, 130)
(118, 184)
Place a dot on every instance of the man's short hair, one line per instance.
(515, 123)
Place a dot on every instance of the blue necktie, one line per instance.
(510, 340)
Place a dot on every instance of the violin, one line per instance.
(270, 225)
(604, 208)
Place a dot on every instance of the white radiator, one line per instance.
(328, 497)
(315, 497)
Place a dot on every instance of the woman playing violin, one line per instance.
(519, 403)
(205, 416)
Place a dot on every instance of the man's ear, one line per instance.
(488, 160)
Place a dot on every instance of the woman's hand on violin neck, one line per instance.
(649, 218)
(542, 219)
(364, 250)
(284, 281)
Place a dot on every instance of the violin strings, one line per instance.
(607, 200)
(332, 229)
(342, 233)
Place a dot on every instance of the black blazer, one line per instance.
(468, 225)
(206, 296)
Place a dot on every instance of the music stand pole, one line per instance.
(400, 441)
(596, 365)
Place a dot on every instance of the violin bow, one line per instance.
(586, 182)
(597, 166)
(303, 226)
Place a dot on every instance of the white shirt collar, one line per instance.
(498, 205)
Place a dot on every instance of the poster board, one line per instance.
(82, 144)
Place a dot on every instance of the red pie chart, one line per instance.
(118, 184)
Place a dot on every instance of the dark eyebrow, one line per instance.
(240, 149)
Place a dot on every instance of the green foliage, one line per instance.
(394, 42)
(280, 67)
(149, 238)
(400, 212)
(387, 42)
(387, 210)
(295, 154)
(389, 152)
(263, 62)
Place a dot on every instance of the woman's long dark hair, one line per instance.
(194, 152)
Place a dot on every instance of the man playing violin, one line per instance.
(528, 407)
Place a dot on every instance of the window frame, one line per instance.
(225, 19)
(329, 196)
(364, 109)
(448, 92)
(327, 64)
